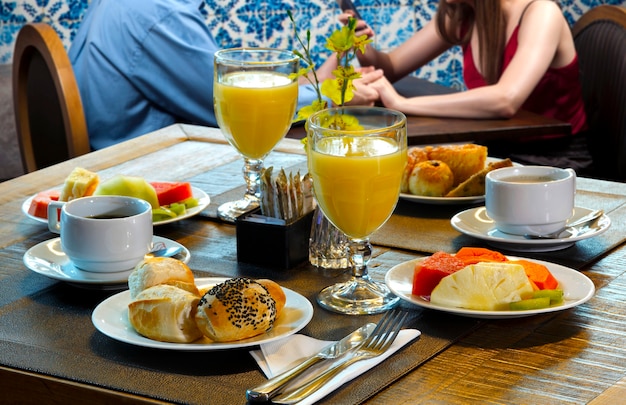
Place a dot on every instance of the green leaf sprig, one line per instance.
(344, 43)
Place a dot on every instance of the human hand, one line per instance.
(364, 94)
(387, 93)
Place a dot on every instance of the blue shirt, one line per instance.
(142, 65)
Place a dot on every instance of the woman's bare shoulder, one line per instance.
(534, 8)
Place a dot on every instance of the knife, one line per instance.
(269, 389)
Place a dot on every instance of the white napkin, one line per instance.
(281, 355)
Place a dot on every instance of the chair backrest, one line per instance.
(600, 39)
(49, 115)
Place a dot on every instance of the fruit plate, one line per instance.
(111, 318)
(203, 202)
(577, 289)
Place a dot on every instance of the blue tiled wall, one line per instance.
(265, 23)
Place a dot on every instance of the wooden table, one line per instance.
(433, 130)
(574, 356)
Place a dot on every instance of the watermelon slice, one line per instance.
(171, 192)
(429, 272)
(39, 204)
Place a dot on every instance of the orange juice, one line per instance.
(357, 181)
(254, 110)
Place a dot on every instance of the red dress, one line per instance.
(557, 95)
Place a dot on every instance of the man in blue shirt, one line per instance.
(142, 65)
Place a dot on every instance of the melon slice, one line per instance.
(131, 186)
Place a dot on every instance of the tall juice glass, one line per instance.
(356, 174)
(255, 102)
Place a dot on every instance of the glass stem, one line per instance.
(360, 252)
(252, 175)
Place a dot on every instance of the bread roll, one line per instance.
(431, 178)
(236, 309)
(161, 270)
(165, 313)
(276, 291)
(414, 156)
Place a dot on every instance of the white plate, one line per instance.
(111, 318)
(475, 222)
(577, 289)
(48, 259)
(203, 202)
(449, 200)
(443, 200)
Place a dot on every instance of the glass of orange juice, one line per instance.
(255, 101)
(357, 171)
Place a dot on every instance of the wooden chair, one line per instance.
(49, 115)
(600, 39)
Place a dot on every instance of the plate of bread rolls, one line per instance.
(165, 307)
(448, 174)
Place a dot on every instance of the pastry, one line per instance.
(236, 309)
(414, 156)
(161, 270)
(475, 185)
(165, 313)
(432, 178)
(464, 160)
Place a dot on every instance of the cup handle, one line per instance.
(54, 216)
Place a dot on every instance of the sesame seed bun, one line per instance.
(236, 309)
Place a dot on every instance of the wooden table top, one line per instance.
(573, 356)
(433, 130)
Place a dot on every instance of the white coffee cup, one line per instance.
(533, 200)
(103, 233)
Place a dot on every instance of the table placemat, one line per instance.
(426, 229)
(50, 329)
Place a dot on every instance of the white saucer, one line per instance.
(48, 259)
(577, 289)
(111, 318)
(203, 201)
(475, 222)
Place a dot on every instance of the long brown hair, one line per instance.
(487, 18)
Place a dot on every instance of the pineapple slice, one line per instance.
(483, 286)
(79, 183)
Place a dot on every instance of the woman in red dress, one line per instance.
(516, 54)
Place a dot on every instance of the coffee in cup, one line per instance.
(530, 200)
(103, 233)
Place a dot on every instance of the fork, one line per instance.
(376, 344)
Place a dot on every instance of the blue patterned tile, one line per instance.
(265, 23)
